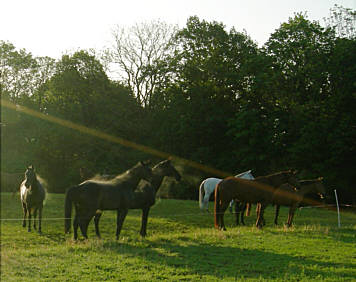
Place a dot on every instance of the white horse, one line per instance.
(208, 186)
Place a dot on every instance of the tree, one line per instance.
(313, 86)
(135, 50)
(203, 82)
(343, 21)
(81, 92)
(21, 73)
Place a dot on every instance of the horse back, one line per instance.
(244, 190)
(210, 184)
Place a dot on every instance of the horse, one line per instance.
(207, 187)
(32, 195)
(93, 196)
(259, 190)
(287, 195)
(145, 194)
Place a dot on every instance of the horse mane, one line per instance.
(277, 173)
(41, 180)
(111, 179)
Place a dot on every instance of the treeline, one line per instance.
(206, 94)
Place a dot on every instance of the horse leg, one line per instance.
(83, 224)
(34, 218)
(290, 216)
(276, 214)
(40, 220)
(258, 211)
(96, 221)
(75, 226)
(29, 219)
(260, 219)
(243, 209)
(121, 214)
(222, 212)
(237, 212)
(24, 208)
(145, 212)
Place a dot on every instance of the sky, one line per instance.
(53, 28)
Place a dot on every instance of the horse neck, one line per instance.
(130, 178)
(265, 180)
(157, 179)
(34, 185)
(307, 188)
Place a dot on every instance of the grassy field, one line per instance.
(182, 245)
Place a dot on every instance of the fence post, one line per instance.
(338, 210)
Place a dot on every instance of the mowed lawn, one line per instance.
(182, 245)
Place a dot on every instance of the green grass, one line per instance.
(182, 245)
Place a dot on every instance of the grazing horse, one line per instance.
(287, 195)
(207, 187)
(259, 190)
(32, 196)
(145, 194)
(94, 196)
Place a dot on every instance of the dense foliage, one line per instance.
(222, 101)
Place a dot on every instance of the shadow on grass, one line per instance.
(229, 262)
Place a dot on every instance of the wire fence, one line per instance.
(200, 214)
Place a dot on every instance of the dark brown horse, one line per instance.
(260, 190)
(32, 196)
(93, 196)
(145, 194)
(287, 195)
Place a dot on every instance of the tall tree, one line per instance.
(135, 50)
(81, 92)
(21, 73)
(343, 21)
(204, 79)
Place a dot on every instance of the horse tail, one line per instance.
(248, 209)
(201, 191)
(68, 209)
(217, 206)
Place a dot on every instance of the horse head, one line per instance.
(143, 170)
(30, 176)
(291, 178)
(165, 168)
(319, 187)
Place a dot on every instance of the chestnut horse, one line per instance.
(287, 195)
(207, 187)
(260, 190)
